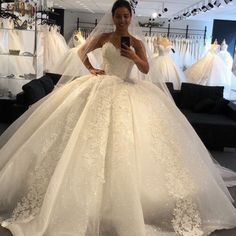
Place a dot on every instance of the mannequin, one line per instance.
(225, 55)
(166, 68)
(215, 46)
(164, 41)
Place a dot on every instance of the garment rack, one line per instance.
(86, 25)
(186, 32)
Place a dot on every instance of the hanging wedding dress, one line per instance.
(107, 155)
(211, 71)
(55, 47)
(12, 40)
(167, 68)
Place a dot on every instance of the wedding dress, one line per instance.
(167, 68)
(12, 40)
(227, 58)
(110, 155)
(211, 71)
(54, 47)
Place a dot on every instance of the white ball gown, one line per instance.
(103, 156)
(226, 57)
(211, 71)
(166, 67)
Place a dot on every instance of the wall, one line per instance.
(70, 22)
(225, 29)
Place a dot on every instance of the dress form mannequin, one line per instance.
(225, 55)
(165, 65)
(215, 47)
(164, 41)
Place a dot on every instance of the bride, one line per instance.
(110, 155)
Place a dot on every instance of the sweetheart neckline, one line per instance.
(108, 42)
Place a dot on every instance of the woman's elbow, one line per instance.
(146, 69)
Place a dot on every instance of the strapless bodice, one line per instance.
(114, 63)
(163, 50)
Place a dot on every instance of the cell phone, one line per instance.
(124, 40)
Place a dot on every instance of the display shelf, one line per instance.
(6, 77)
(20, 55)
(30, 30)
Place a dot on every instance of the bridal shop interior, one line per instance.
(191, 44)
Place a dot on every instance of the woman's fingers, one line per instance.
(97, 72)
(127, 52)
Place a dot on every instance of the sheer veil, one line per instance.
(106, 25)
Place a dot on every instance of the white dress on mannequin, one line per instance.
(225, 55)
(167, 68)
(211, 71)
(104, 156)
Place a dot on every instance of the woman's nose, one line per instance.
(122, 19)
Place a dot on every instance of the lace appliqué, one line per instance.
(57, 134)
(187, 221)
(181, 188)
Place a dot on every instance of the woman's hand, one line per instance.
(138, 55)
(94, 71)
(126, 51)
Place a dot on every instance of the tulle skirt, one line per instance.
(104, 157)
(210, 71)
(168, 71)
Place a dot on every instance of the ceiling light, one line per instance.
(210, 5)
(227, 1)
(154, 15)
(164, 10)
(194, 11)
(217, 3)
(204, 8)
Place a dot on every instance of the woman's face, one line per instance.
(122, 18)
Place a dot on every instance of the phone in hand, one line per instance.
(124, 40)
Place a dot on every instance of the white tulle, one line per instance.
(227, 58)
(166, 67)
(54, 47)
(110, 155)
(211, 71)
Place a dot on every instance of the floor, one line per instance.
(226, 158)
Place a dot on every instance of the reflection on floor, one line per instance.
(226, 159)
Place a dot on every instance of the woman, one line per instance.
(110, 155)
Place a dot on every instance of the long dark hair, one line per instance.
(121, 3)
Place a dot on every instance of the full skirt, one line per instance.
(105, 157)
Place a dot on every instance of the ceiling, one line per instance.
(148, 7)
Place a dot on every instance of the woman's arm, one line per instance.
(87, 48)
(138, 56)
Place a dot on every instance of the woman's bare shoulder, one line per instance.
(105, 36)
(101, 39)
